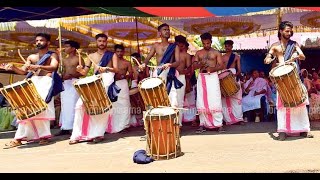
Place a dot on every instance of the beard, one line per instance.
(40, 46)
(102, 47)
(286, 37)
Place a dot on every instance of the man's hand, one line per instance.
(142, 66)
(166, 66)
(103, 69)
(33, 67)
(256, 93)
(8, 67)
(79, 68)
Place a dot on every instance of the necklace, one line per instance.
(283, 48)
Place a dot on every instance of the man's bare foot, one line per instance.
(71, 142)
(242, 123)
(43, 142)
(12, 144)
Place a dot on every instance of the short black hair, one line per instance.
(162, 25)
(181, 39)
(118, 46)
(101, 35)
(229, 42)
(73, 44)
(253, 70)
(136, 55)
(205, 36)
(283, 25)
(45, 35)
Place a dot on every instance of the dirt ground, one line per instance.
(246, 149)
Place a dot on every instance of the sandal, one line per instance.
(12, 144)
(43, 142)
(200, 130)
(73, 142)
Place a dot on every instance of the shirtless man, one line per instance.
(69, 96)
(44, 64)
(185, 62)
(209, 103)
(159, 49)
(232, 108)
(105, 63)
(294, 119)
(121, 108)
(138, 75)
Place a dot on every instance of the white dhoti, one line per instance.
(209, 103)
(292, 120)
(38, 126)
(88, 127)
(120, 109)
(176, 96)
(190, 104)
(232, 107)
(69, 98)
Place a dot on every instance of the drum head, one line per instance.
(282, 70)
(86, 80)
(162, 111)
(151, 83)
(23, 83)
(133, 91)
(223, 74)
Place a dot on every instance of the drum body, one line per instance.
(288, 84)
(93, 95)
(24, 99)
(136, 101)
(154, 92)
(163, 133)
(228, 84)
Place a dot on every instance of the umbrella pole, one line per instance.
(137, 34)
(60, 49)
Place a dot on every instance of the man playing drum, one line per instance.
(167, 55)
(92, 127)
(209, 103)
(43, 65)
(290, 119)
(69, 96)
(232, 108)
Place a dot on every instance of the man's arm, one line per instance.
(84, 70)
(150, 55)
(188, 64)
(238, 65)
(270, 56)
(301, 56)
(196, 64)
(130, 71)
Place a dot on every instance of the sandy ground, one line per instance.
(246, 148)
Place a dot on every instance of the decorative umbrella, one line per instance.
(222, 26)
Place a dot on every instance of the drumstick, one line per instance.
(136, 61)
(152, 66)
(21, 56)
(79, 53)
(175, 108)
(95, 64)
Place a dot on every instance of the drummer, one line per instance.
(295, 119)
(232, 107)
(69, 96)
(208, 100)
(138, 74)
(92, 127)
(43, 66)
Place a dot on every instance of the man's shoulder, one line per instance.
(275, 44)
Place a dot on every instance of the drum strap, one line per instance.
(231, 59)
(287, 55)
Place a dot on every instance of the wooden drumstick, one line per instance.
(79, 53)
(152, 66)
(95, 64)
(21, 56)
(175, 108)
(136, 61)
